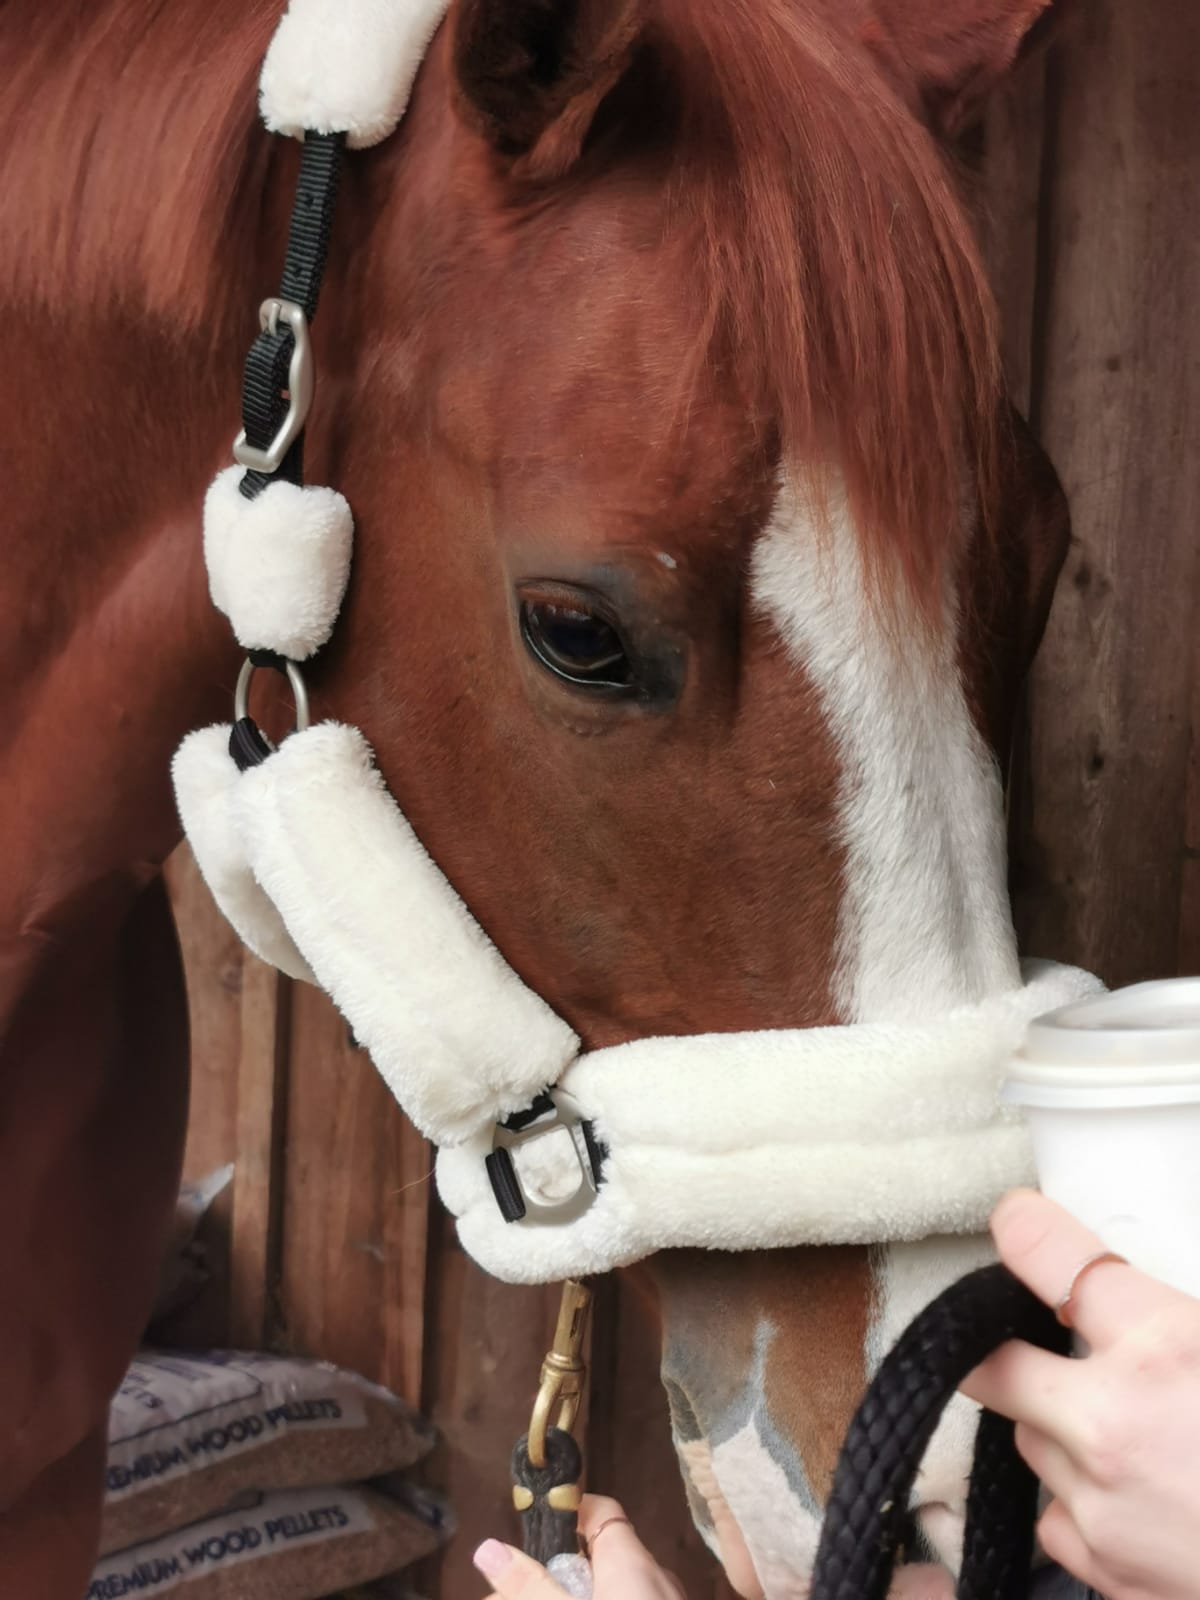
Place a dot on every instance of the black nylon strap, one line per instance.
(506, 1186)
(264, 385)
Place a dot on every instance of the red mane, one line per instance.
(134, 163)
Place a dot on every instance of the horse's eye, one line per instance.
(576, 644)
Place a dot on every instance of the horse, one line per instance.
(699, 561)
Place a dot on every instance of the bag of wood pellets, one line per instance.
(294, 1544)
(189, 1433)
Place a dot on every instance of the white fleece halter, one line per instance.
(862, 1133)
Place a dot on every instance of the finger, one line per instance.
(1045, 1247)
(618, 1556)
(513, 1575)
(1054, 1467)
(595, 1509)
(1031, 1386)
(922, 1583)
(1063, 1542)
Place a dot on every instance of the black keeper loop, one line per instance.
(270, 659)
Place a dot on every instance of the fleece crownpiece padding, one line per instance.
(843, 1135)
(345, 66)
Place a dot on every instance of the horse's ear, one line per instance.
(949, 54)
(532, 73)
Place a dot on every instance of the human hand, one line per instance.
(1115, 1437)
(622, 1567)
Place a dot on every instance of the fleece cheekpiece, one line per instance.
(205, 784)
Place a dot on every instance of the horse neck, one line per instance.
(120, 393)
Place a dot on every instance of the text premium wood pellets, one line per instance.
(187, 1434)
(295, 1544)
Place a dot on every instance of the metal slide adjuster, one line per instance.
(551, 1116)
(302, 382)
(248, 744)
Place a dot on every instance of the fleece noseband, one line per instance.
(557, 1163)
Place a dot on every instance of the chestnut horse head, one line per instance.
(698, 558)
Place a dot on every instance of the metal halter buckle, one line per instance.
(551, 1114)
(302, 381)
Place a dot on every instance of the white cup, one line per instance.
(1111, 1089)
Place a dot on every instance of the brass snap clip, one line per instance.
(560, 1387)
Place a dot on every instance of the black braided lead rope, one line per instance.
(1001, 1514)
(867, 1511)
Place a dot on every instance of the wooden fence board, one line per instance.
(356, 1184)
(261, 1077)
(213, 960)
(1100, 856)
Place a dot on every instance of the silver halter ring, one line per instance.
(241, 695)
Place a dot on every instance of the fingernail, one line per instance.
(492, 1557)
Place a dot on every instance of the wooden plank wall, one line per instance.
(1091, 201)
(1105, 846)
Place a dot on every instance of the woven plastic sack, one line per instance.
(294, 1544)
(188, 1434)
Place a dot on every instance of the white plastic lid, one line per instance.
(1129, 1047)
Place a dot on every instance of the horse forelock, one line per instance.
(832, 276)
(840, 268)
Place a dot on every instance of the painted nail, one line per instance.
(492, 1557)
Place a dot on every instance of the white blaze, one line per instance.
(924, 923)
